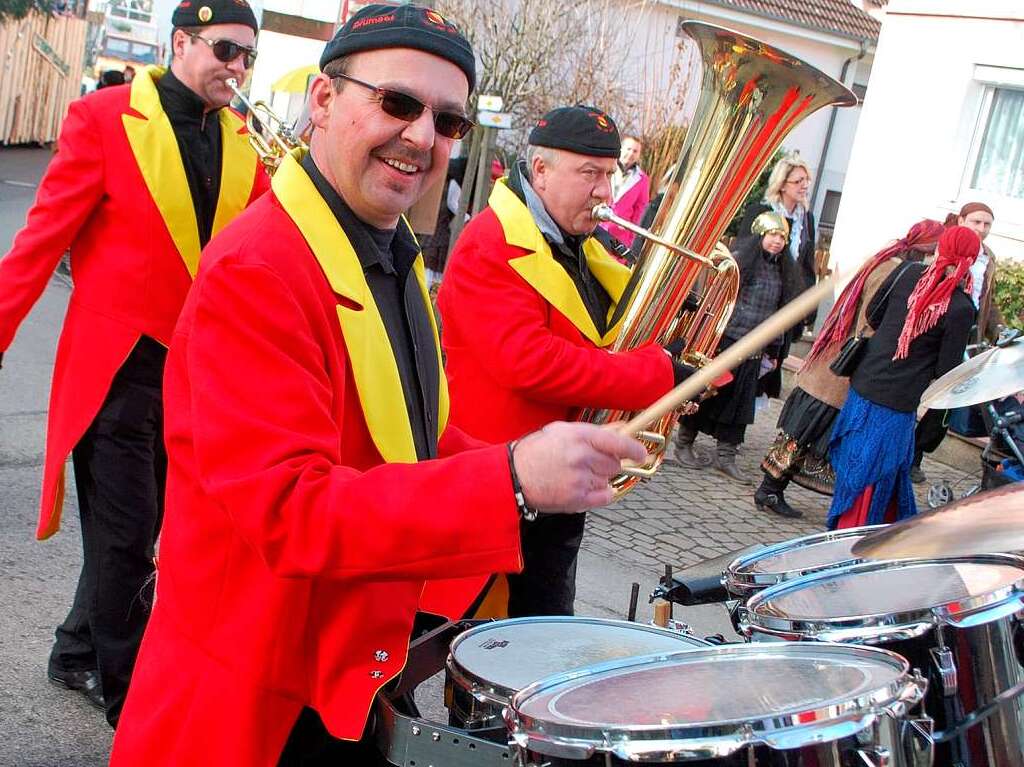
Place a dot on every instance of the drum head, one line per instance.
(506, 656)
(898, 592)
(792, 559)
(737, 694)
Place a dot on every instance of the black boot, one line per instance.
(686, 454)
(769, 497)
(725, 462)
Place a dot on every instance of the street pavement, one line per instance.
(680, 518)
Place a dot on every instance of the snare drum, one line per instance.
(489, 663)
(753, 705)
(792, 559)
(955, 619)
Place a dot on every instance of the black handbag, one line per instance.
(854, 347)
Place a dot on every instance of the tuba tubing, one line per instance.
(752, 96)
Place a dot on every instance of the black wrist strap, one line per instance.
(524, 510)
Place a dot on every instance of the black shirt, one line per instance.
(199, 141)
(899, 384)
(570, 256)
(387, 257)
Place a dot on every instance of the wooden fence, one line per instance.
(40, 73)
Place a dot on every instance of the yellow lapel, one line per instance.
(546, 276)
(156, 152)
(238, 167)
(369, 350)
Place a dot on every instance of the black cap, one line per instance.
(580, 129)
(379, 25)
(207, 13)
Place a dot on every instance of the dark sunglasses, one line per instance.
(228, 50)
(402, 106)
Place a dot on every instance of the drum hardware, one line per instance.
(946, 669)
(634, 599)
(409, 741)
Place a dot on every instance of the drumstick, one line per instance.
(728, 359)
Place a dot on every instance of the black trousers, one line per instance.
(310, 745)
(547, 584)
(120, 473)
(930, 432)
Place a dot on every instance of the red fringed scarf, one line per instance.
(837, 327)
(958, 248)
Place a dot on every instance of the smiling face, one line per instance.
(198, 69)
(978, 222)
(380, 165)
(794, 189)
(570, 185)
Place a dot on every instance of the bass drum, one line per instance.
(489, 663)
(781, 705)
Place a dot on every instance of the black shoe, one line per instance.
(917, 475)
(775, 503)
(85, 682)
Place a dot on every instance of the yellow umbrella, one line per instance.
(296, 80)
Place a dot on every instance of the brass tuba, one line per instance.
(272, 138)
(683, 286)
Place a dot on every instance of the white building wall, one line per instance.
(826, 52)
(921, 116)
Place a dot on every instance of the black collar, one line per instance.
(393, 250)
(178, 100)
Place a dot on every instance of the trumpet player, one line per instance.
(144, 175)
(529, 306)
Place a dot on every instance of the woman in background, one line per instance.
(800, 450)
(921, 330)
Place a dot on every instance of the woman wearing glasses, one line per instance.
(786, 194)
(145, 174)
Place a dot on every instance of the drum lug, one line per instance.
(946, 667)
(874, 757)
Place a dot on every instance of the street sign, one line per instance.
(489, 103)
(494, 119)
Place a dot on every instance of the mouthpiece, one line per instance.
(602, 212)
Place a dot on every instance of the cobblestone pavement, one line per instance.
(684, 516)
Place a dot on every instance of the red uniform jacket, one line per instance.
(521, 348)
(298, 532)
(116, 195)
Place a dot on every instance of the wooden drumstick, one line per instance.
(728, 359)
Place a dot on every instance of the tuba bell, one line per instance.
(270, 136)
(684, 285)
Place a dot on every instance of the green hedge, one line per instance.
(1009, 292)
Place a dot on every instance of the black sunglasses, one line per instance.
(228, 50)
(402, 106)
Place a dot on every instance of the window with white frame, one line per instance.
(995, 164)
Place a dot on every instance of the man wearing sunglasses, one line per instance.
(314, 484)
(144, 175)
(529, 306)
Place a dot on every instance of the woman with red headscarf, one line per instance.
(800, 451)
(921, 329)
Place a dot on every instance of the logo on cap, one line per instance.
(603, 123)
(542, 123)
(185, 4)
(436, 19)
(386, 18)
(205, 13)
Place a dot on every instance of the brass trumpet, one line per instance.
(270, 136)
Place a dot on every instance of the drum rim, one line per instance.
(493, 692)
(718, 739)
(741, 582)
(876, 627)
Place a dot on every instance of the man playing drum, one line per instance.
(303, 386)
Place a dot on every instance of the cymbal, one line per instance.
(989, 522)
(998, 372)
